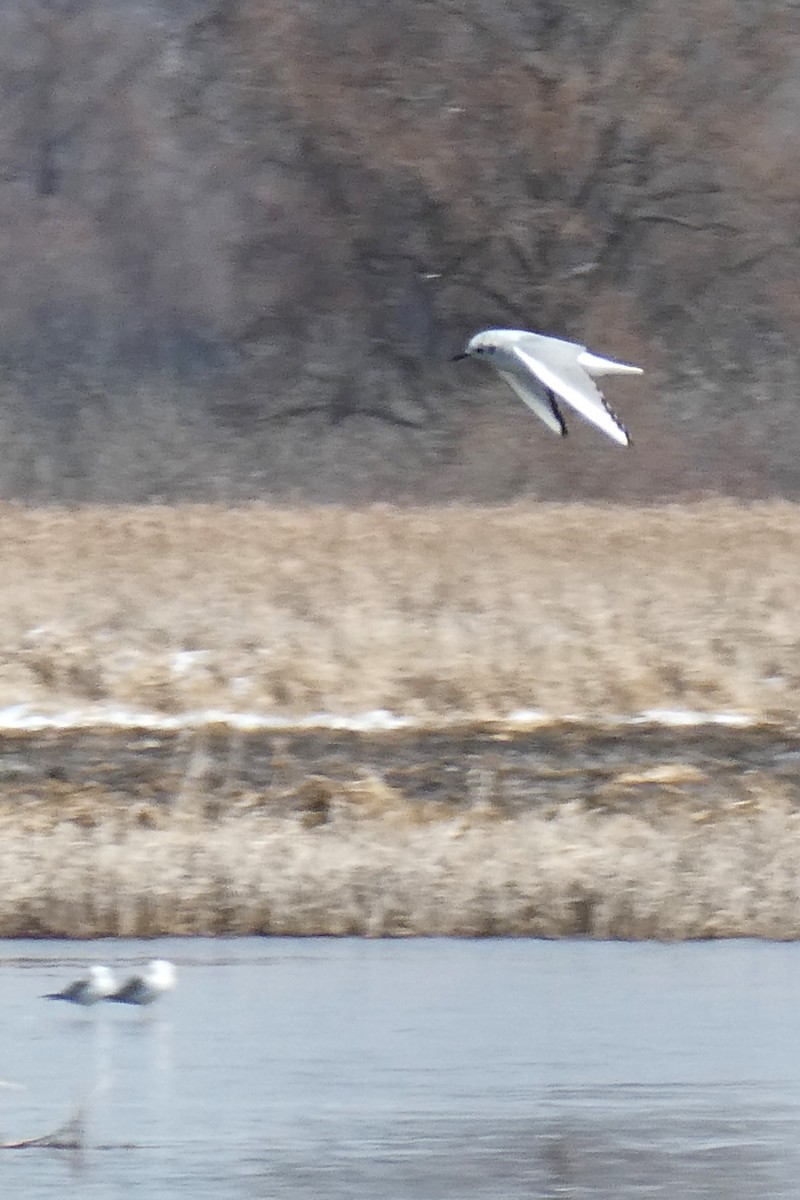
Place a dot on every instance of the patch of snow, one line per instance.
(528, 718)
(683, 716)
(24, 717)
(184, 661)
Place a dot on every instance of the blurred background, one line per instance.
(239, 240)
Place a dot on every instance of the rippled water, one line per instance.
(416, 1069)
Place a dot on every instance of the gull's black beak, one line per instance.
(456, 357)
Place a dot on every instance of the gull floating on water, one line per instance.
(541, 368)
(98, 984)
(157, 977)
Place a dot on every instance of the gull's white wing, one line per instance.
(557, 366)
(532, 393)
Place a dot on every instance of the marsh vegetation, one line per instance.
(591, 610)
(468, 823)
(553, 835)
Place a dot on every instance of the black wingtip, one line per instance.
(556, 411)
(616, 421)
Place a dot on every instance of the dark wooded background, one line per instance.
(220, 219)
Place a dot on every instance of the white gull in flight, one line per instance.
(157, 977)
(97, 984)
(541, 369)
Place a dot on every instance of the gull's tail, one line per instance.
(69, 1136)
(74, 994)
(595, 365)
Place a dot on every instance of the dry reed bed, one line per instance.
(363, 860)
(589, 609)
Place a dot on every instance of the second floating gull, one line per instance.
(541, 368)
(157, 977)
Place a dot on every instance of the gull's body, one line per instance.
(98, 984)
(541, 368)
(158, 976)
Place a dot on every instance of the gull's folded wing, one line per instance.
(130, 991)
(537, 398)
(75, 992)
(558, 369)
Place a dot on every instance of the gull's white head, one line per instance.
(160, 974)
(102, 980)
(485, 342)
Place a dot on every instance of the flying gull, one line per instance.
(157, 977)
(98, 984)
(541, 369)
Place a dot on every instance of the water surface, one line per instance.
(410, 1070)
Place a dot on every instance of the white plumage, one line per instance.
(157, 977)
(541, 369)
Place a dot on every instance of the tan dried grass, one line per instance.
(603, 611)
(588, 609)
(370, 865)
